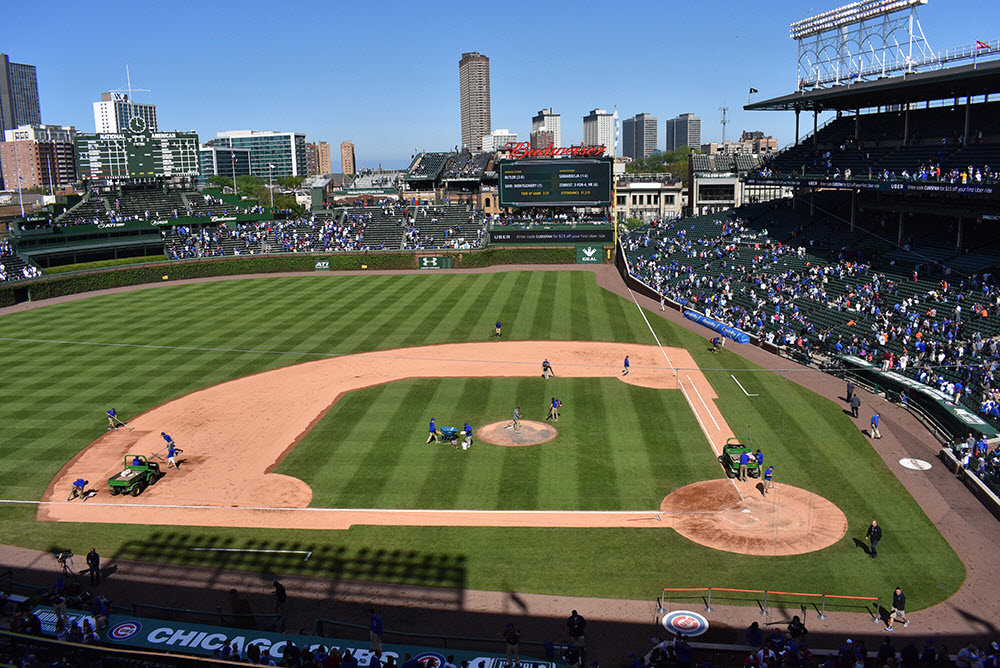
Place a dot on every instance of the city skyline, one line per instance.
(213, 80)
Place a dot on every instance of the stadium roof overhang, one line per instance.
(944, 84)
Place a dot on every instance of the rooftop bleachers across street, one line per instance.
(91, 207)
(427, 166)
(376, 179)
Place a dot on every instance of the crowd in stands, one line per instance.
(942, 333)
(12, 268)
(389, 225)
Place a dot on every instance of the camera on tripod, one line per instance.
(63, 557)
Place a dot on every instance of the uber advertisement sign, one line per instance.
(551, 236)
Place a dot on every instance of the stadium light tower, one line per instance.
(859, 41)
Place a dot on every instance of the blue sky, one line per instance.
(385, 74)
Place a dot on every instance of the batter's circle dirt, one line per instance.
(531, 433)
(736, 517)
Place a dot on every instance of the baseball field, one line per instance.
(326, 384)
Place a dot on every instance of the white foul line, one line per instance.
(743, 388)
(308, 553)
(707, 409)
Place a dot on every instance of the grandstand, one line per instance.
(376, 179)
(427, 167)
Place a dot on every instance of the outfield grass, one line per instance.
(619, 446)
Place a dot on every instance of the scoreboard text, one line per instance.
(555, 183)
(125, 155)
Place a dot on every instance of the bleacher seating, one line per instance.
(427, 166)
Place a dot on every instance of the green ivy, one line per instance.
(109, 277)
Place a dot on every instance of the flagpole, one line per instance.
(17, 164)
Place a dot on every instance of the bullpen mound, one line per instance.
(789, 520)
(532, 433)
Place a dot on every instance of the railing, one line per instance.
(767, 594)
(273, 621)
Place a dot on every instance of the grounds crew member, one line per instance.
(434, 434)
(79, 485)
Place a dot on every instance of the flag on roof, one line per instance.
(981, 44)
(752, 90)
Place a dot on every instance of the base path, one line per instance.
(235, 433)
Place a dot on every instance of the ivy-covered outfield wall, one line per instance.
(47, 287)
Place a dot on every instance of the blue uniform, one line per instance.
(768, 474)
(112, 416)
(433, 435)
(744, 462)
(496, 329)
(625, 370)
(166, 437)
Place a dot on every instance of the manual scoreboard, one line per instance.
(137, 154)
(555, 182)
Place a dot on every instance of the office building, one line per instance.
(223, 161)
(348, 164)
(323, 148)
(18, 98)
(272, 154)
(639, 136)
(546, 119)
(542, 138)
(599, 130)
(498, 139)
(43, 155)
(115, 110)
(474, 96)
(685, 130)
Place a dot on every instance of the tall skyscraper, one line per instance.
(324, 157)
(546, 119)
(599, 130)
(474, 93)
(18, 97)
(639, 136)
(685, 130)
(312, 158)
(114, 112)
(498, 139)
(347, 160)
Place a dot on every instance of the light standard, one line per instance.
(270, 185)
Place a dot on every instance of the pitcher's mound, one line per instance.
(789, 520)
(531, 433)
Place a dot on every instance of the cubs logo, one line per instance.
(124, 630)
(430, 660)
(685, 623)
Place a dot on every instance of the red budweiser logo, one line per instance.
(523, 150)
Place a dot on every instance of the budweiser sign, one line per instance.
(523, 149)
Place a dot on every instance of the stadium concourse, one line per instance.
(616, 629)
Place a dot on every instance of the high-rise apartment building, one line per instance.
(348, 165)
(18, 98)
(546, 119)
(42, 155)
(474, 94)
(599, 130)
(685, 130)
(271, 153)
(323, 148)
(115, 110)
(639, 136)
(312, 158)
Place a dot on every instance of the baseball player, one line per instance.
(434, 434)
(517, 419)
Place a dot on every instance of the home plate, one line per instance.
(914, 464)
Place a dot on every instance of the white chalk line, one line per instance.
(645, 514)
(702, 400)
(743, 388)
(687, 397)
